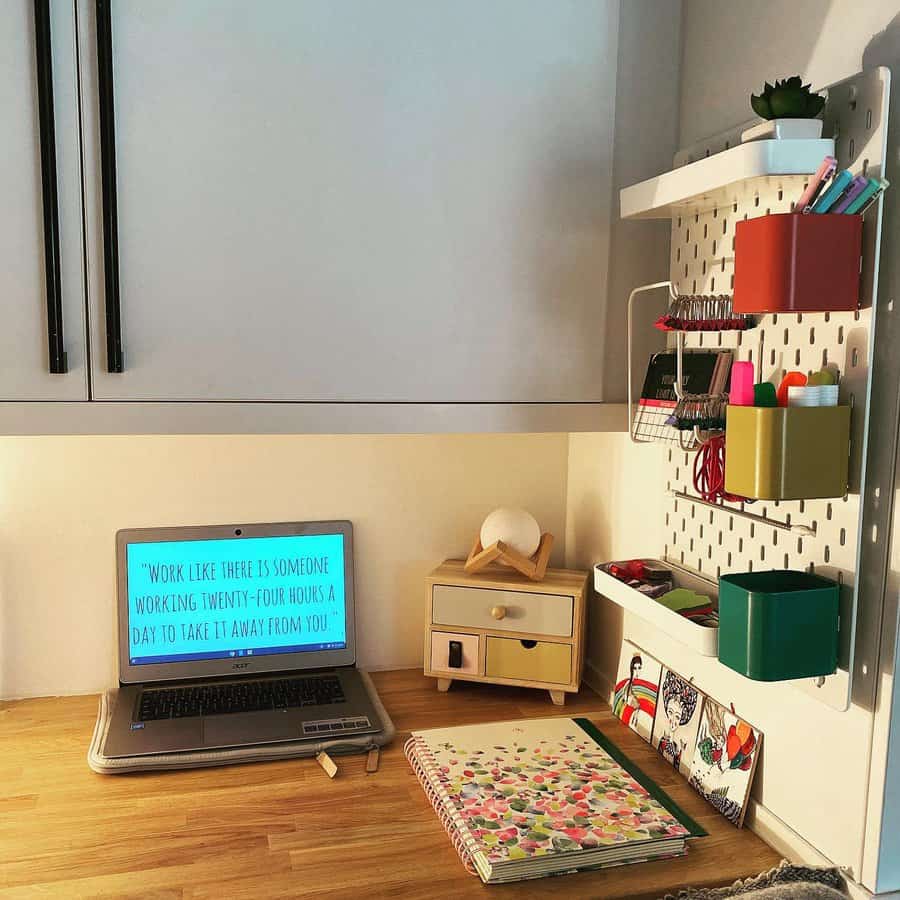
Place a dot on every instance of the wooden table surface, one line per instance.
(283, 829)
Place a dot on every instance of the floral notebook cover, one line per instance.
(542, 796)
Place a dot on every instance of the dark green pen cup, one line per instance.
(778, 625)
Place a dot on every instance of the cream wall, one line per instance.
(730, 48)
(414, 500)
(612, 512)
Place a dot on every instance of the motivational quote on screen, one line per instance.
(237, 602)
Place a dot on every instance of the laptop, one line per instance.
(236, 635)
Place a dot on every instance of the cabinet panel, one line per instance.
(469, 662)
(528, 660)
(24, 354)
(474, 607)
(401, 201)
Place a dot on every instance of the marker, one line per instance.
(816, 183)
(857, 186)
(840, 184)
(873, 188)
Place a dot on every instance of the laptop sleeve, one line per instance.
(105, 765)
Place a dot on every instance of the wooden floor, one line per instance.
(284, 829)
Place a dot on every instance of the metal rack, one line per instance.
(667, 433)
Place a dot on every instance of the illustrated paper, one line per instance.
(637, 686)
(724, 760)
(677, 721)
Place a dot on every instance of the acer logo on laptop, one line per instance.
(240, 665)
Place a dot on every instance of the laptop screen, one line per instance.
(192, 600)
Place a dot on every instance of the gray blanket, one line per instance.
(786, 882)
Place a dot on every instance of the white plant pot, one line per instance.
(784, 129)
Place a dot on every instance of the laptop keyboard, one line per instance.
(238, 697)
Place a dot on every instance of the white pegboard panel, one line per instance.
(702, 262)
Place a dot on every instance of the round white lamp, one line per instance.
(511, 537)
(517, 528)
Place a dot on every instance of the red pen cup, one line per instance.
(742, 379)
(787, 262)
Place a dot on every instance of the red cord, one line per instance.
(709, 471)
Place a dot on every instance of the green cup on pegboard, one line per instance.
(778, 625)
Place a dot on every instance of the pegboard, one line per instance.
(714, 541)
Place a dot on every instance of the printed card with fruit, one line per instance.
(724, 760)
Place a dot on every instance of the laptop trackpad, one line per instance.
(236, 729)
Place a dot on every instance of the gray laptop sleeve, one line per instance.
(193, 759)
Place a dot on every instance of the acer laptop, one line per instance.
(236, 635)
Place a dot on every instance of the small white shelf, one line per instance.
(701, 638)
(726, 177)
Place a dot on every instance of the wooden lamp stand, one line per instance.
(534, 568)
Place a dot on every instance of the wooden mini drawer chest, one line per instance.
(499, 627)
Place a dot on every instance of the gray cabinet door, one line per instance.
(25, 361)
(356, 201)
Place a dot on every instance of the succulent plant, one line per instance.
(789, 98)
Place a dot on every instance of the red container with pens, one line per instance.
(790, 262)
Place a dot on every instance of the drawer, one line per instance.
(471, 607)
(440, 652)
(528, 660)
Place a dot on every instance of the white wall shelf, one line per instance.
(734, 175)
(700, 638)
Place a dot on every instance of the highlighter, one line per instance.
(764, 394)
(816, 183)
(792, 379)
(872, 189)
(840, 184)
(742, 378)
(858, 185)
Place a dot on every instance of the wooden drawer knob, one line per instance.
(498, 612)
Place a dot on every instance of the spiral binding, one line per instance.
(426, 770)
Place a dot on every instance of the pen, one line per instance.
(869, 195)
(837, 187)
(857, 186)
(816, 183)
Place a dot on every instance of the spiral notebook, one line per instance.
(539, 797)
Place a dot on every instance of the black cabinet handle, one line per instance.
(114, 362)
(49, 191)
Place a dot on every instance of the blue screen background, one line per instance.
(235, 597)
